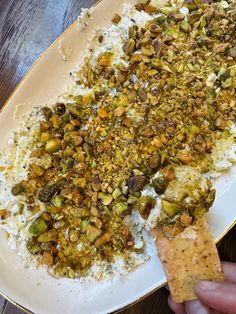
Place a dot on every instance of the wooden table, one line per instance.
(27, 28)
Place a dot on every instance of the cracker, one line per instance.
(189, 257)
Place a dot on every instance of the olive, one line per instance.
(45, 136)
(106, 199)
(185, 27)
(84, 225)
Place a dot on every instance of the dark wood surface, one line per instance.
(27, 28)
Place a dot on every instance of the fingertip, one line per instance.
(178, 308)
(196, 306)
(170, 301)
(206, 285)
(217, 295)
(229, 271)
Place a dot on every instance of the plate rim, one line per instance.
(138, 299)
(4, 106)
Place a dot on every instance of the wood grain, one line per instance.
(2, 304)
(27, 28)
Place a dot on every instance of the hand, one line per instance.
(213, 297)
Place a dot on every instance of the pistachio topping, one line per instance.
(158, 103)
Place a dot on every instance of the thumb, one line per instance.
(220, 296)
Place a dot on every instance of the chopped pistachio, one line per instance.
(116, 193)
(80, 182)
(105, 198)
(45, 136)
(57, 201)
(145, 204)
(170, 209)
(85, 224)
(93, 233)
(119, 208)
(38, 227)
(185, 27)
(53, 146)
(48, 236)
(160, 184)
(116, 18)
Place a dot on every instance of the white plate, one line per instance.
(35, 290)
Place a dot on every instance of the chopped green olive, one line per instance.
(116, 193)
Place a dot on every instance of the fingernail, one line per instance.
(207, 285)
(196, 307)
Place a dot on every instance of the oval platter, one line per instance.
(35, 290)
